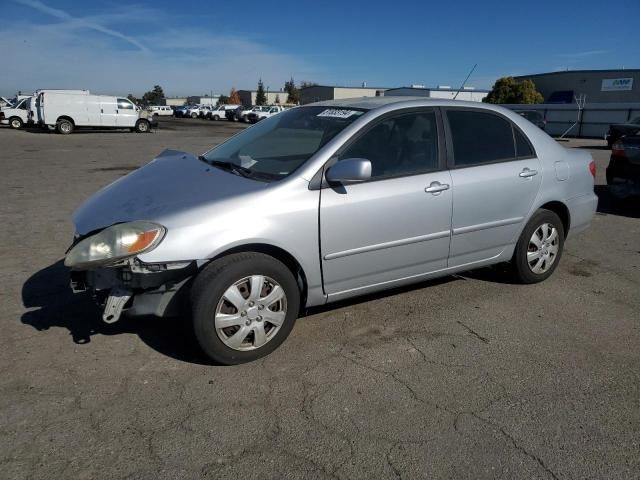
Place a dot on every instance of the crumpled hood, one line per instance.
(172, 183)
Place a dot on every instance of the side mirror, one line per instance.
(350, 170)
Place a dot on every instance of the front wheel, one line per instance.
(539, 248)
(216, 117)
(244, 306)
(142, 126)
(15, 123)
(194, 115)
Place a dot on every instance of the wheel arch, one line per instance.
(562, 211)
(66, 117)
(279, 254)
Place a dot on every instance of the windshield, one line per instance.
(277, 146)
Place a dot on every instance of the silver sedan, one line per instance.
(325, 202)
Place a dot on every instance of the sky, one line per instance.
(204, 47)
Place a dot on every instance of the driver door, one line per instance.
(397, 225)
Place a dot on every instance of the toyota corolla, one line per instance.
(325, 202)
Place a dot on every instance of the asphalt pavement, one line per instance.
(468, 376)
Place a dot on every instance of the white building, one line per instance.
(470, 94)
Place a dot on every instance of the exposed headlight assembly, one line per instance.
(115, 243)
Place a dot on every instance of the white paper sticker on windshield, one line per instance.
(338, 113)
(246, 161)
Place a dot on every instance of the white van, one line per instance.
(160, 110)
(16, 116)
(69, 110)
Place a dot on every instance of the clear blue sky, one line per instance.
(197, 47)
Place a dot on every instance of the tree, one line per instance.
(261, 98)
(234, 97)
(293, 91)
(223, 100)
(135, 100)
(509, 90)
(153, 97)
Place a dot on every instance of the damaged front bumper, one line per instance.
(136, 288)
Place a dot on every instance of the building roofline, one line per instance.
(436, 89)
(343, 86)
(560, 72)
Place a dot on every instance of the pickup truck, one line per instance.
(16, 117)
(257, 115)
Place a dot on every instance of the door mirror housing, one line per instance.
(350, 170)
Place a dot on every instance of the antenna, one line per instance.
(465, 81)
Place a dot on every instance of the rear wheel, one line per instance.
(244, 307)
(64, 126)
(539, 248)
(216, 117)
(15, 122)
(194, 115)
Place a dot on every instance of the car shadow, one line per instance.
(614, 200)
(52, 304)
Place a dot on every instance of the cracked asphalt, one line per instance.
(464, 377)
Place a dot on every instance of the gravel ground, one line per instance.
(464, 377)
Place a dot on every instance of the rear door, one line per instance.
(495, 175)
(396, 225)
(126, 113)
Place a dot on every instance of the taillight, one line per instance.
(617, 149)
(592, 168)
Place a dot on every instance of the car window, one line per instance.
(124, 104)
(635, 121)
(23, 105)
(479, 137)
(523, 148)
(401, 145)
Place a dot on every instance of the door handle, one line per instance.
(436, 188)
(527, 173)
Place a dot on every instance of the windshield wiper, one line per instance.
(229, 166)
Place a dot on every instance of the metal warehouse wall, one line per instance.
(588, 82)
(593, 122)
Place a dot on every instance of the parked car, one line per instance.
(618, 130)
(220, 111)
(205, 110)
(160, 110)
(16, 117)
(241, 114)
(181, 111)
(66, 111)
(193, 111)
(534, 117)
(257, 115)
(324, 202)
(624, 165)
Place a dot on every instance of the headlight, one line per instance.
(115, 243)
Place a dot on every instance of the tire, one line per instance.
(142, 126)
(209, 303)
(64, 126)
(244, 119)
(16, 123)
(534, 263)
(215, 117)
(194, 115)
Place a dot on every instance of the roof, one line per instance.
(371, 103)
(565, 72)
(439, 89)
(344, 86)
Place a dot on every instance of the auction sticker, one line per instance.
(338, 113)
